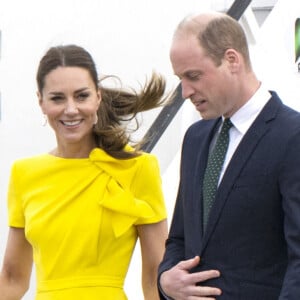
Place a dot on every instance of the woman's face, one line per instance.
(70, 101)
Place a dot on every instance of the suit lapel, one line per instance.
(197, 178)
(242, 154)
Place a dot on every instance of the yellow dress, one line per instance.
(80, 216)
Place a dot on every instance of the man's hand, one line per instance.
(179, 284)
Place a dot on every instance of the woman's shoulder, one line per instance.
(30, 166)
(30, 160)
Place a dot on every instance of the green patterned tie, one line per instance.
(213, 169)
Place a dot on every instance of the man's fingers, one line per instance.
(198, 276)
(212, 291)
(189, 263)
(205, 275)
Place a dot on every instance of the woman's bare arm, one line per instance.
(152, 238)
(17, 266)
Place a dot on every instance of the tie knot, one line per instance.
(226, 125)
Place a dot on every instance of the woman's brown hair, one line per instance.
(118, 106)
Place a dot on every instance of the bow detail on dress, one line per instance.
(126, 209)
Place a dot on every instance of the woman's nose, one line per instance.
(71, 107)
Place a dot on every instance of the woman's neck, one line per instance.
(73, 151)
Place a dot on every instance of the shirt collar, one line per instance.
(246, 115)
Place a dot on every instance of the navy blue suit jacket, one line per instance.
(253, 233)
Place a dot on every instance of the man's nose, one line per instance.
(187, 90)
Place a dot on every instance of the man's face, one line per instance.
(208, 86)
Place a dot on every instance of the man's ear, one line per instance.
(233, 59)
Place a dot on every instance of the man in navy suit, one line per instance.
(250, 246)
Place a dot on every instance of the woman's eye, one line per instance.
(56, 98)
(82, 96)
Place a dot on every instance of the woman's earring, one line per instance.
(96, 119)
(45, 121)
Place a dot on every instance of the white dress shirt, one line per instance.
(242, 120)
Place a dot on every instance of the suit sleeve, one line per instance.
(290, 190)
(174, 252)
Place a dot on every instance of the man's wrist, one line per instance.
(162, 291)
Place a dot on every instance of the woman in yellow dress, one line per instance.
(77, 211)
